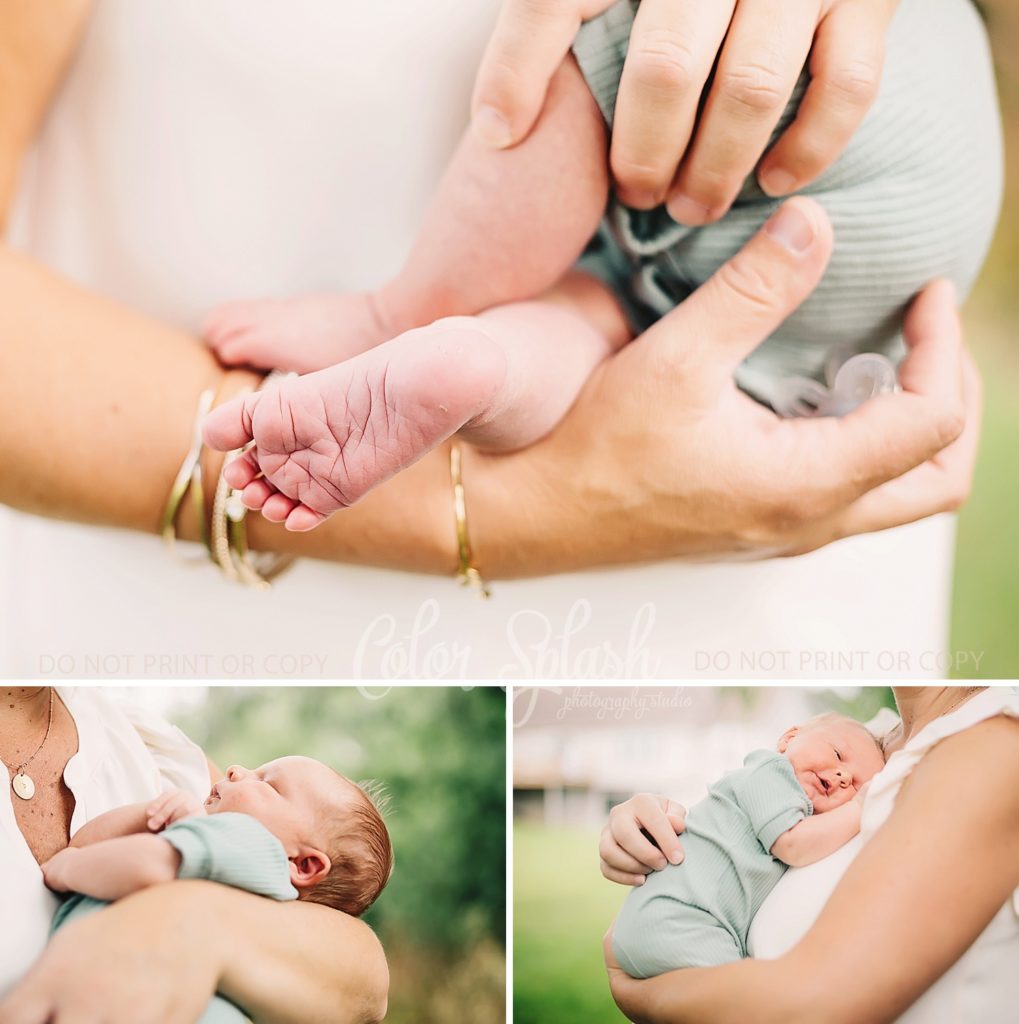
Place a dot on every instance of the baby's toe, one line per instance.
(302, 519)
(278, 507)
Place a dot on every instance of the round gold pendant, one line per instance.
(23, 786)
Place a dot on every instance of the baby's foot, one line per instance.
(322, 441)
(305, 333)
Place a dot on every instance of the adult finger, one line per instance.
(845, 68)
(622, 877)
(671, 52)
(531, 39)
(940, 485)
(715, 329)
(762, 58)
(25, 1005)
(614, 857)
(627, 833)
(661, 829)
(892, 434)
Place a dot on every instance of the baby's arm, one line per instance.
(817, 836)
(151, 816)
(504, 226)
(112, 868)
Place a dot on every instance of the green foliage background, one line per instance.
(985, 608)
(440, 752)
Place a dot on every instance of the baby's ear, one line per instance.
(308, 868)
(786, 738)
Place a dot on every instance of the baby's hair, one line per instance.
(833, 716)
(359, 849)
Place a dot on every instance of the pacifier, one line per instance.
(850, 383)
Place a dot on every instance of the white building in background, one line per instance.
(577, 751)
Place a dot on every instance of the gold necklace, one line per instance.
(22, 783)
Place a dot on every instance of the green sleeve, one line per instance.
(233, 849)
(770, 796)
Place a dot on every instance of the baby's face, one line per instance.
(288, 796)
(832, 760)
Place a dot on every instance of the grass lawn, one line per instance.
(562, 907)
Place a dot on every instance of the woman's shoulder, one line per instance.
(990, 703)
(119, 734)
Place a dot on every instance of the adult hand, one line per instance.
(126, 964)
(662, 456)
(661, 146)
(627, 855)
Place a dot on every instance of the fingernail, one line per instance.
(791, 228)
(675, 857)
(685, 210)
(492, 128)
(777, 182)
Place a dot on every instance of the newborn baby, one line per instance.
(292, 829)
(792, 808)
(475, 337)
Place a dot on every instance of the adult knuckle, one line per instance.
(663, 62)
(783, 513)
(950, 424)
(749, 283)
(857, 81)
(754, 88)
(638, 174)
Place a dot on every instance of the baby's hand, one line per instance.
(56, 872)
(173, 806)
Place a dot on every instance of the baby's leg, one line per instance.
(503, 227)
(666, 935)
(322, 441)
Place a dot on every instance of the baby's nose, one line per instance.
(236, 772)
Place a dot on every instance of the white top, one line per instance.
(240, 148)
(125, 755)
(983, 985)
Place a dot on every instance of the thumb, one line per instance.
(531, 39)
(747, 298)
(228, 427)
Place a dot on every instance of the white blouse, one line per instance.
(983, 985)
(125, 755)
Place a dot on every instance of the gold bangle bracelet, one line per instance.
(189, 478)
(228, 542)
(466, 572)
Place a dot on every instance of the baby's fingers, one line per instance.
(239, 472)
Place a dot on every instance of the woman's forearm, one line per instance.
(97, 414)
(169, 948)
(298, 963)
